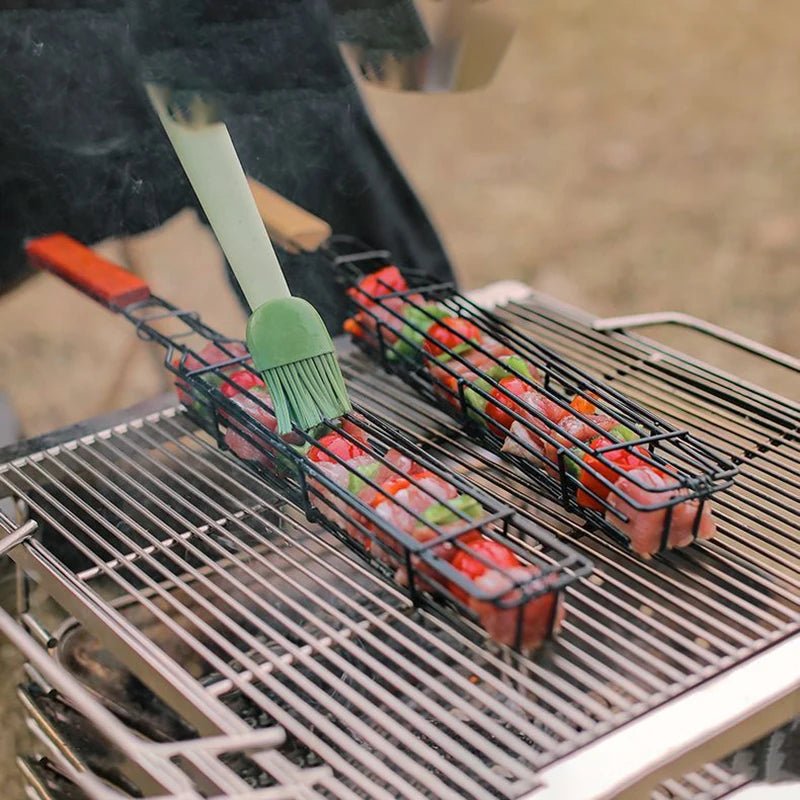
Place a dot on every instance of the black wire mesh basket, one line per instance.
(449, 545)
(601, 455)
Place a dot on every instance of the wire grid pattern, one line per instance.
(378, 690)
(711, 782)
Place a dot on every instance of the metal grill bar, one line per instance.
(442, 444)
(764, 417)
(160, 770)
(385, 651)
(218, 637)
(419, 652)
(704, 393)
(710, 782)
(708, 394)
(402, 639)
(358, 698)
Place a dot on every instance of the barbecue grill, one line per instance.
(287, 667)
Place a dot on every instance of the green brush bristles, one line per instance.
(293, 350)
(307, 392)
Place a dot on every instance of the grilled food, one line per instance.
(412, 500)
(605, 469)
(466, 565)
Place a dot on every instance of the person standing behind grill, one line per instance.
(82, 151)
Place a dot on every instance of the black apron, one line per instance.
(81, 150)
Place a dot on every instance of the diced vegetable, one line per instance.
(418, 322)
(353, 328)
(497, 408)
(573, 465)
(623, 433)
(385, 281)
(510, 364)
(497, 372)
(484, 554)
(286, 465)
(455, 333)
(243, 379)
(441, 514)
(356, 482)
(474, 398)
(623, 459)
(583, 405)
(335, 445)
(390, 488)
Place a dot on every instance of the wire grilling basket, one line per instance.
(329, 490)
(373, 488)
(583, 443)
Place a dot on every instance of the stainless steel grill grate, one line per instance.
(710, 782)
(233, 613)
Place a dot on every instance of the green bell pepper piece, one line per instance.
(459, 349)
(497, 372)
(473, 398)
(572, 461)
(411, 340)
(355, 482)
(623, 433)
(440, 514)
(284, 463)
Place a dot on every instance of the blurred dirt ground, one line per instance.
(630, 156)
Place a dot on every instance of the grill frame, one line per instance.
(740, 707)
(152, 761)
(713, 780)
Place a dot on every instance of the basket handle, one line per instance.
(78, 265)
(292, 227)
(694, 323)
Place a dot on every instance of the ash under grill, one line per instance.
(234, 614)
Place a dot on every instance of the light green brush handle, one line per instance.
(208, 157)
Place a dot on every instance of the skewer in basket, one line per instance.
(584, 443)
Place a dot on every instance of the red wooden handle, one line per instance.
(83, 268)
